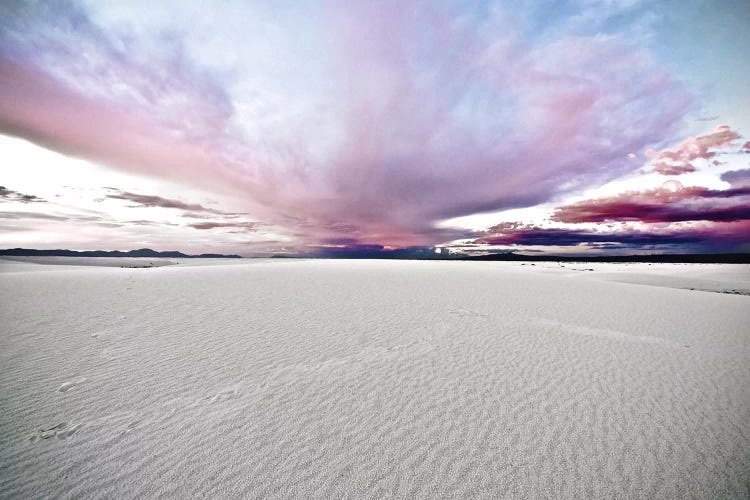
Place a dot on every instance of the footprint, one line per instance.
(467, 313)
(132, 426)
(52, 431)
(66, 433)
(225, 395)
(401, 347)
(107, 355)
(66, 386)
(600, 332)
(59, 431)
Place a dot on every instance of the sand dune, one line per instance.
(372, 379)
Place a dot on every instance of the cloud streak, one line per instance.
(720, 236)
(16, 215)
(248, 226)
(157, 201)
(670, 203)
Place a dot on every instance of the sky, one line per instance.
(561, 127)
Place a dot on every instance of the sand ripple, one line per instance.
(332, 379)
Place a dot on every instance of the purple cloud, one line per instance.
(725, 235)
(737, 178)
(669, 203)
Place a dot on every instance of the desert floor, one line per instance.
(367, 379)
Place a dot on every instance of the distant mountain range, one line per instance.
(714, 258)
(429, 254)
(143, 252)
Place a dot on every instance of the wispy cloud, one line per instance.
(248, 226)
(680, 159)
(32, 215)
(10, 195)
(143, 200)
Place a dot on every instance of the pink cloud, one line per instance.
(679, 160)
(35, 106)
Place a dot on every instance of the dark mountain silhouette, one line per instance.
(142, 252)
(715, 258)
(426, 253)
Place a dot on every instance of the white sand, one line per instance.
(365, 379)
(94, 261)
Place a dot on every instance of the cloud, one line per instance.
(670, 203)
(711, 236)
(142, 222)
(10, 195)
(32, 215)
(157, 201)
(737, 178)
(693, 218)
(680, 159)
(191, 210)
(248, 226)
(398, 119)
(39, 107)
